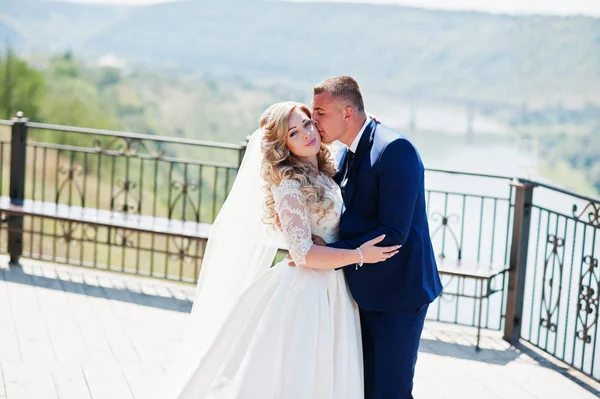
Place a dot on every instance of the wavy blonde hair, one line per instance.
(280, 164)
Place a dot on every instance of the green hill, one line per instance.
(459, 56)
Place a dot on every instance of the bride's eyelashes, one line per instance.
(307, 124)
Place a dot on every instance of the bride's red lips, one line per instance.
(312, 142)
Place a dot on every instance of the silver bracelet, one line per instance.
(362, 259)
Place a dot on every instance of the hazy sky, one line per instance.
(562, 7)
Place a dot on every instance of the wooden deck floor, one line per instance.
(72, 333)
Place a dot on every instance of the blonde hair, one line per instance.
(280, 164)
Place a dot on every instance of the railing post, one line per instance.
(17, 185)
(518, 260)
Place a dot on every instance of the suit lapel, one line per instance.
(365, 143)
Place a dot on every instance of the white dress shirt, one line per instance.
(354, 144)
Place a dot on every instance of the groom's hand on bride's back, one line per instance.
(316, 240)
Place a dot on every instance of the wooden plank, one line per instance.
(9, 343)
(452, 378)
(62, 327)
(70, 381)
(117, 337)
(543, 382)
(148, 326)
(86, 321)
(29, 381)
(31, 330)
(134, 319)
(2, 385)
(487, 360)
(105, 381)
(143, 378)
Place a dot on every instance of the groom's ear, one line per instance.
(348, 112)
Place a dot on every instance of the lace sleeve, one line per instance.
(291, 208)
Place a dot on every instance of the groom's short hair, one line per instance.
(343, 87)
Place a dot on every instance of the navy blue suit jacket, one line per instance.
(385, 194)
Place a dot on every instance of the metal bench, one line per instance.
(119, 224)
(473, 270)
(106, 218)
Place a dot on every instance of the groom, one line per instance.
(381, 176)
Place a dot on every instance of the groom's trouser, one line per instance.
(390, 348)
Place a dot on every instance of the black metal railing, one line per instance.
(128, 172)
(562, 281)
(134, 175)
(470, 219)
(549, 296)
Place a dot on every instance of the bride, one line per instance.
(261, 332)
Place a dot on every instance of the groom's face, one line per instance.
(328, 114)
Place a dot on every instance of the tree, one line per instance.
(109, 76)
(22, 88)
(65, 66)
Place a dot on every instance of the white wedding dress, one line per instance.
(295, 332)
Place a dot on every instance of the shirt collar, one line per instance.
(354, 144)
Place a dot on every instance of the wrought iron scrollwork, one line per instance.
(69, 230)
(593, 213)
(129, 147)
(183, 250)
(550, 309)
(445, 225)
(70, 171)
(130, 202)
(122, 237)
(588, 299)
(183, 189)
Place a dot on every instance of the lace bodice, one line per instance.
(298, 223)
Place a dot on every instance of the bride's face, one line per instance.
(302, 138)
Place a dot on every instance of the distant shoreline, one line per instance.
(524, 7)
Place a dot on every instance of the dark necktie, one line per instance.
(347, 166)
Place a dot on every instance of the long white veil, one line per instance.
(240, 247)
